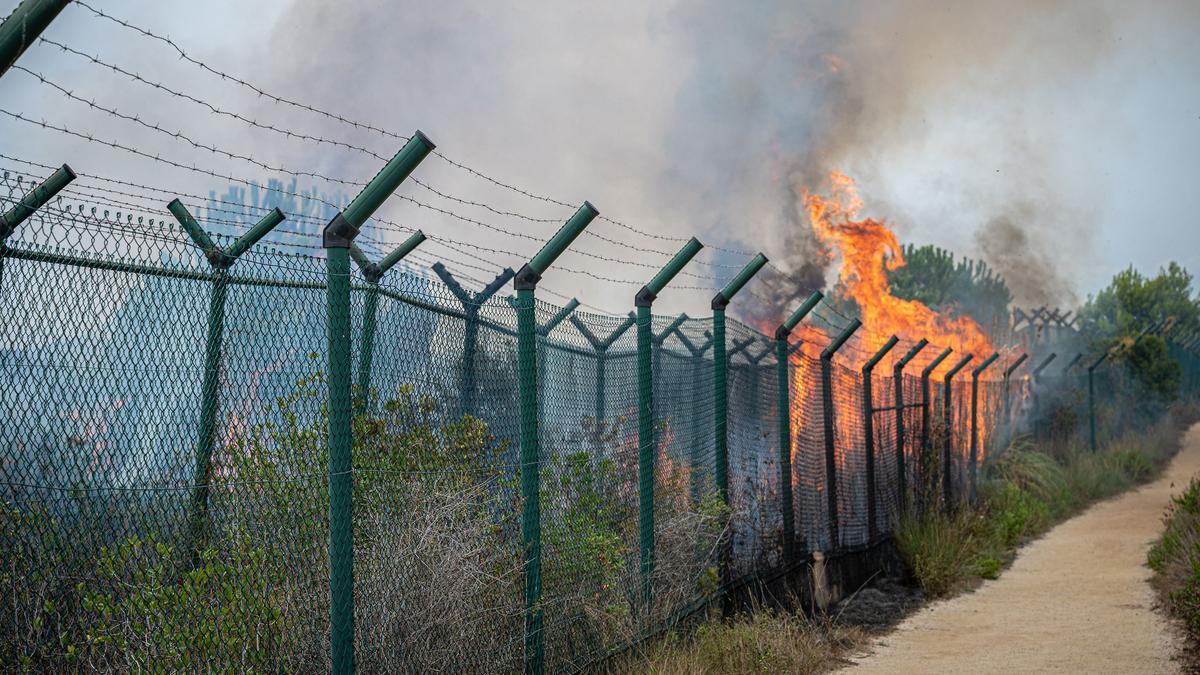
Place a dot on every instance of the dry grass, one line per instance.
(766, 641)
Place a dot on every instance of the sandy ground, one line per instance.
(1077, 600)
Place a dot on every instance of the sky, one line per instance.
(1060, 142)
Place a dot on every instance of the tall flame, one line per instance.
(869, 249)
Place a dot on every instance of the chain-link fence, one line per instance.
(166, 462)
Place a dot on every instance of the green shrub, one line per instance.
(939, 549)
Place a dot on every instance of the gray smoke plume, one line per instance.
(682, 118)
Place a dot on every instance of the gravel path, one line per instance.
(1077, 600)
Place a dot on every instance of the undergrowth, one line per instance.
(1175, 560)
(765, 641)
(1025, 492)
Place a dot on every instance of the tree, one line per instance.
(1117, 316)
(933, 276)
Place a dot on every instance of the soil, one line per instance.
(1077, 600)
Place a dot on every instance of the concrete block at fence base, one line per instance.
(824, 592)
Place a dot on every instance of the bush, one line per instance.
(764, 642)
(1175, 558)
(1024, 493)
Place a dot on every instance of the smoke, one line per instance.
(994, 129)
(961, 122)
(1032, 273)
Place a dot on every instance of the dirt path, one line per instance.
(1076, 600)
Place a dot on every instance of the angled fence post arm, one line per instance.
(1073, 363)
(32, 201)
(975, 421)
(597, 346)
(1012, 368)
(471, 302)
(831, 472)
(1036, 395)
(23, 27)
(1042, 366)
(373, 274)
(869, 435)
(947, 454)
(220, 261)
(739, 346)
(337, 239)
(647, 347)
(525, 283)
(783, 353)
(721, 408)
(898, 383)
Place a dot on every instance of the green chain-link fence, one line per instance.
(166, 467)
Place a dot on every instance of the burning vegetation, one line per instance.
(869, 250)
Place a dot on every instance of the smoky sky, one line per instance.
(1057, 141)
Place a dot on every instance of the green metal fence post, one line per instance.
(947, 398)
(898, 383)
(373, 273)
(831, 486)
(601, 347)
(647, 438)
(23, 27)
(471, 302)
(697, 362)
(1035, 393)
(783, 354)
(32, 201)
(721, 404)
(926, 412)
(337, 239)
(1008, 396)
(975, 421)
(869, 434)
(525, 283)
(1091, 375)
(1072, 364)
(210, 387)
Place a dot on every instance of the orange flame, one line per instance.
(869, 249)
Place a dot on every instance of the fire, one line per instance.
(869, 249)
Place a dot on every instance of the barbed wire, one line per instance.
(180, 136)
(369, 127)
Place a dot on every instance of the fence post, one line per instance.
(869, 433)
(525, 283)
(721, 404)
(697, 360)
(373, 274)
(831, 489)
(975, 420)
(783, 357)
(1071, 365)
(210, 387)
(23, 27)
(1091, 371)
(471, 303)
(1035, 392)
(601, 347)
(947, 398)
(337, 239)
(898, 382)
(926, 411)
(1008, 396)
(32, 201)
(647, 438)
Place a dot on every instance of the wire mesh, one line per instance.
(131, 542)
